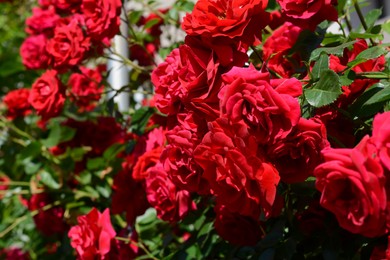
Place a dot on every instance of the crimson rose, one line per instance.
(93, 235)
(352, 184)
(47, 95)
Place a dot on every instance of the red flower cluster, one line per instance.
(355, 182)
(238, 131)
(63, 33)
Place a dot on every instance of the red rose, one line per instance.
(238, 230)
(17, 103)
(69, 45)
(42, 21)
(276, 50)
(146, 161)
(241, 20)
(352, 184)
(249, 96)
(171, 203)
(33, 52)
(86, 88)
(13, 253)
(67, 5)
(309, 13)
(102, 18)
(299, 153)
(97, 135)
(178, 159)
(47, 95)
(93, 235)
(238, 176)
(54, 215)
(381, 137)
(128, 196)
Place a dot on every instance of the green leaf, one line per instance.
(151, 23)
(321, 65)
(31, 151)
(140, 118)
(372, 16)
(47, 179)
(134, 16)
(112, 151)
(337, 50)
(347, 78)
(325, 91)
(386, 27)
(379, 97)
(368, 54)
(366, 35)
(58, 134)
(96, 163)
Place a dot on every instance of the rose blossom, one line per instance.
(352, 184)
(269, 111)
(33, 52)
(93, 235)
(17, 103)
(238, 230)
(381, 137)
(277, 48)
(171, 203)
(42, 21)
(47, 95)
(296, 155)
(51, 221)
(240, 20)
(233, 166)
(69, 45)
(128, 195)
(308, 13)
(101, 18)
(86, 88)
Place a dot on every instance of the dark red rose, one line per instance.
(308, 13)
(48, 222)
(101, 18)
(171, 203)
(381, 137)
(67, 5)
(47, 95)
(98, 136)
(13, 253)
(93, 235)
(238, 230)
(43, 21)
(17, 103)
(33, 52)
(86, 88)
(276, 51)
(238, 176)
(248, 95)
(240, 20)
(128, 196)
(296, 155)
(352, 184)
(69, 45)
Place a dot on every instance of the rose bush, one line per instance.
(245, 130)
